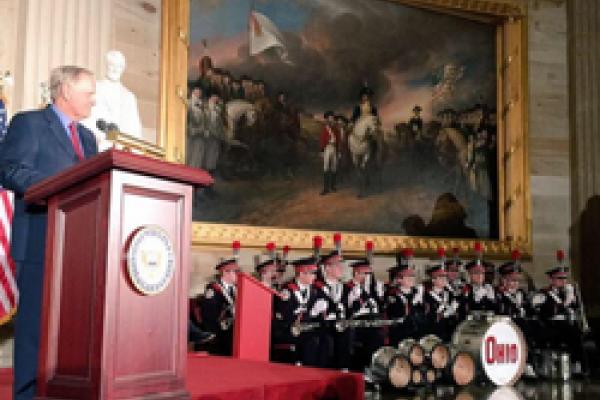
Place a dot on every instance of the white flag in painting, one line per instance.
(264, 35)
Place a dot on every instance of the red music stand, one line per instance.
(253, 313)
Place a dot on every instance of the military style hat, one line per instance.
(402, 266)
(477, 265)
(268, 258)
(230, 263)
(454, 263)
(438, 266)
(512, 267)
(361, 265)
(282, 261)
(560, 271)
(306, 264)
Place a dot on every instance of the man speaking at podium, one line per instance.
(40, 144)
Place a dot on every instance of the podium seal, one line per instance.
(150, 260)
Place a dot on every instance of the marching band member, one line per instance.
(218, 304)
(441, 307)
(453, 266)
(266, 269)
(363, 297)
(477, 295)
(559, 310)
(282, 262)
(300, 304)
(330, 288)
(511, 299)
(404, 300)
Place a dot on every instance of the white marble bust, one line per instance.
(114, 102)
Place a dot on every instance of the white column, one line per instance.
(58, 32)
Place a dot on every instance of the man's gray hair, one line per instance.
(65, 74)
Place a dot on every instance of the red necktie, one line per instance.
(75, 141)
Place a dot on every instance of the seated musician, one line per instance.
(330, 288)
(218, 304)
(363, 297)
(298, 306)
(404, 300)
(440, 304)
(559, 311)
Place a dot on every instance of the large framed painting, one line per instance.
(401, 122)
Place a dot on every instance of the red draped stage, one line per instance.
(221, 378)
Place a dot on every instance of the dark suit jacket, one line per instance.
(36, 147)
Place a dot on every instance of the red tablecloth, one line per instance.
(222, 378)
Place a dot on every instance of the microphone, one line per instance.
(101, 124)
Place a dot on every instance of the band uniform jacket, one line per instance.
(363, 300)
(217, 308)
(332, 293)
(557, 303)
(513, 304)
(477, 298)
(407, 304)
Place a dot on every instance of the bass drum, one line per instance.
(496, 344)
(388, 365)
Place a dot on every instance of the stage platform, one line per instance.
(222, 378)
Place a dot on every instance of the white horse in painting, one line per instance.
(235, 110)
(366, 148)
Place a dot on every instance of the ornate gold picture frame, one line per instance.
(509, 17)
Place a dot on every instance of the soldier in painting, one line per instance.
(366, 106)
(404, 299)
(416, 123)
(330, 149)
(218, 304)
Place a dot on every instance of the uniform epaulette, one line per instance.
(319, 284)
(350, 284)
(216, 287)
(466, 289)
(292, 286)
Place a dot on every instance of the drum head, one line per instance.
(440, 356)
(416, 355)
(463, 369)
(417, 377)
(503, 353)
(400, 372)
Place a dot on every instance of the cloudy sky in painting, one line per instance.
(336, 45)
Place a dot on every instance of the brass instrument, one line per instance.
(299, 328)
(344, 324)
(585, 327)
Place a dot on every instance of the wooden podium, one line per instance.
(102, 337)
(253, 313)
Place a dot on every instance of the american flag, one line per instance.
(9, 294)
